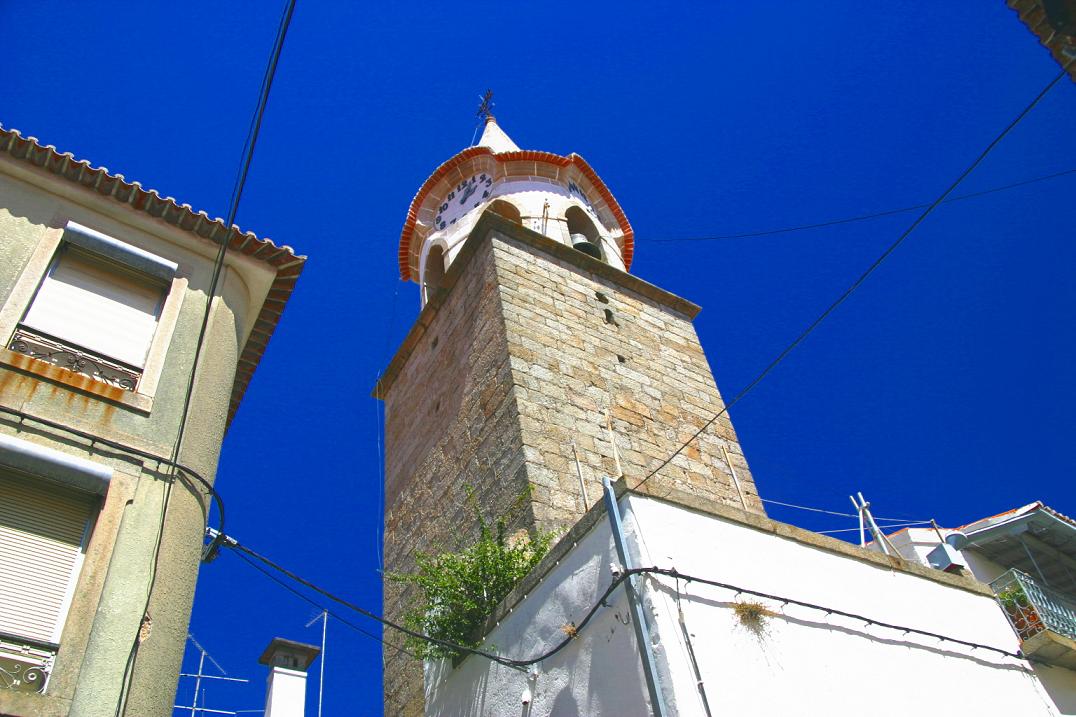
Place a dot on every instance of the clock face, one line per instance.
(575, 191)
(466, 196)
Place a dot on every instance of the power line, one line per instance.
(319, 606)
(834, 512)
(235, 545)
(863, 277)
(218, 265)
(887, 525)
(521, 664)
(864, 217)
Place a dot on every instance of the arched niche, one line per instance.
(507, 210)
(584, 234)
(433, 275)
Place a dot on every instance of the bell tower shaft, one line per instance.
(520, 355)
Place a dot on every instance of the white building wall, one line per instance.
(599, 673)
(806, 662)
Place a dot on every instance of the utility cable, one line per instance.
(319, 606)
(218, 266)
(889, 525)
(865, 217)
(863, 277)
(834, 512)
(235, 545)
(117, 445)
(618, 579)
(378, 416)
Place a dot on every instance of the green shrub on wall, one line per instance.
(459, 591)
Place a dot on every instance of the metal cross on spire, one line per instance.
(485, 109)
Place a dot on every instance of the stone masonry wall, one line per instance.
(451, 424)
(518, 359)
(581, 344)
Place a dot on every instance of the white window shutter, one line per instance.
(41, 533)
(99, 307)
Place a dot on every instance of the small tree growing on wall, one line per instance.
(458, 591)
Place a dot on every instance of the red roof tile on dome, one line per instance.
(407, 233)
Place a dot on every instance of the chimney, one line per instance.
(288, 661)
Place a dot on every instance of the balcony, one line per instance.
(73, 358)
(1043, 618)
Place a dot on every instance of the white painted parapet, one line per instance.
(799, 660)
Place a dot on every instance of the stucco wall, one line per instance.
(106, 613)
(805, 661)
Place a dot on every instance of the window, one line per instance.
(96, 310)
(43, 533)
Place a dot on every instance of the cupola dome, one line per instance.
(558, 196)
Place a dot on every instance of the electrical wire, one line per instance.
(866, 217)
(319, 606)
(235, 545)
(218, 267)
(378, 536)
(834, 512)
(889, 525)
(117, 445)
(863, 277)
(522, 664)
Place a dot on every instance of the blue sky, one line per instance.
(943, 388)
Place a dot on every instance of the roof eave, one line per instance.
(99, 181)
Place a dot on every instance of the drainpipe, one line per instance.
(638, 618)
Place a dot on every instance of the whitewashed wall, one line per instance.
(805, 663)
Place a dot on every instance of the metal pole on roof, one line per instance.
(882, 539)
(934, 524)
(198, 684)
(862, 531)
(579, 473)
(638, 617)
(735, 478)
(324, 617)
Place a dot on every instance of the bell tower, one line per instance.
(535, 348)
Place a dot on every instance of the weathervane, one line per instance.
(486, 108)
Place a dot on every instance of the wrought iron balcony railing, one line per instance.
(74, 358)
(24, 665)
(1032, 607)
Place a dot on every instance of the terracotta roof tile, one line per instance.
(407, 233)
(283, 259)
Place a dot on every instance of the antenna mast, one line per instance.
(324, 617)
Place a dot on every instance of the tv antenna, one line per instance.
(201, 675)
(324, 617)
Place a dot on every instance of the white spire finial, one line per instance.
(495, 138)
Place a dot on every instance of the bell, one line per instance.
(580, 242)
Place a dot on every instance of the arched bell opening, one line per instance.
(433, 275)
(584, 234)
(506, 210)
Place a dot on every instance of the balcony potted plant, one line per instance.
(1022, 613)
